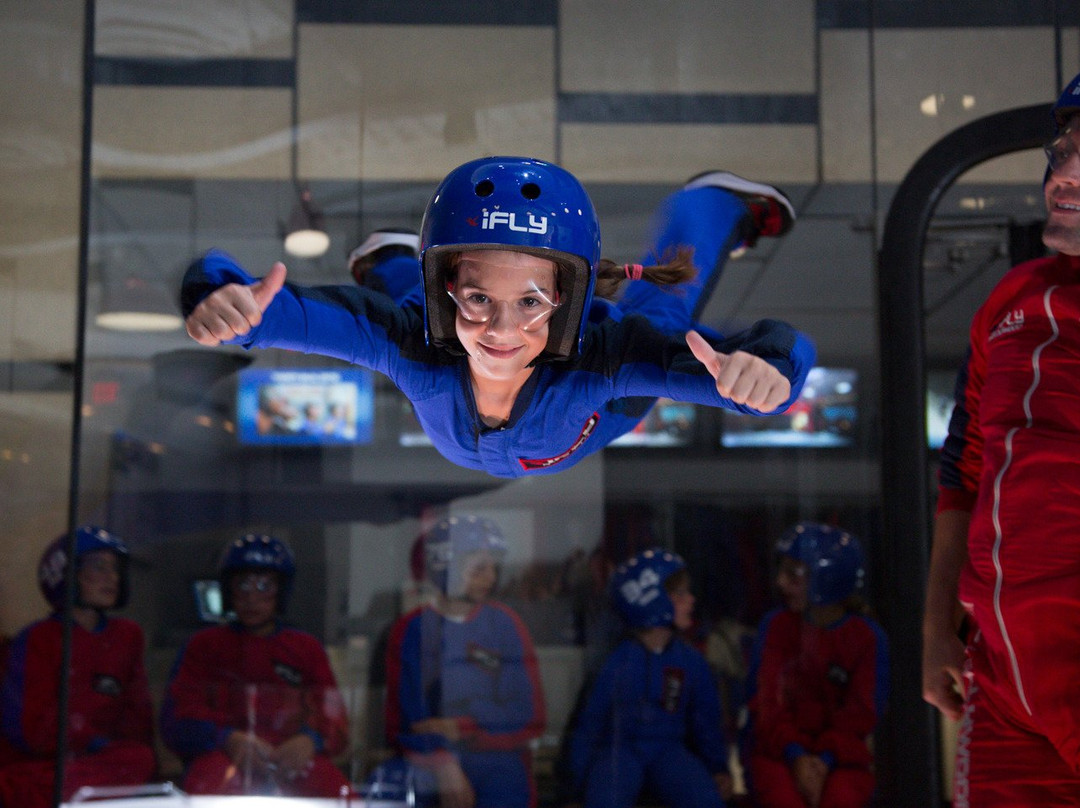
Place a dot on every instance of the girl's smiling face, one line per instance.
(505, 300)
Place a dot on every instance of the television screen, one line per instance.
(823, 416)
(310, 407)
(668, 423)
(208, 601)
(940, 397)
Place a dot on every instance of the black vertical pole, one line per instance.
(77, 391)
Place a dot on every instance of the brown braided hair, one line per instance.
(668, 271)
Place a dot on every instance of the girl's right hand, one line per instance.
(233, 309)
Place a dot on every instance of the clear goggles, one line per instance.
(528, 312)
(257, 584)
(1061, 149)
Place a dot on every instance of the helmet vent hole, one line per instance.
(530, 190)
(485, 188)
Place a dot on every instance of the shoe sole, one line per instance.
(739, 185)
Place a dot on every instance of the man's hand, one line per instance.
(742, 377)
(234, 309)
(942, 672)
(943, 651)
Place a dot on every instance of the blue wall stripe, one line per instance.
(194, 72)
(687, 108)
(429, 12)
(946, 13)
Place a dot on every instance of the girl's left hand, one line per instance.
(742, 377)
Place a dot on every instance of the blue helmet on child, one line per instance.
(449, 541)
(833, 559)
(256, 551)
(52, 568)
(637, 588)
(518, 204)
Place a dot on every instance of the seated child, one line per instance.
(252, 706)
(822, 675)
(652, 717)
(463, 695)
(109, 718)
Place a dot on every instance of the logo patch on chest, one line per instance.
(589, 427)
(674, 680)
(838, 676)
(1013, 321)
(483, 658)
(289, 674)
(107, 685)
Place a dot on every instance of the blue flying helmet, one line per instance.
(637, 588)
(52, 568)
(833, 559)
(257, 552)
(518, 204)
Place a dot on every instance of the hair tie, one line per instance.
(633, 271)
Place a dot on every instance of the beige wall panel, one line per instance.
(35, 448)
(687, 46)
(40, 136)
(38, 285)
(960, 75)
(370, 108)
(661, 153)
(1025, 168)
(845, 106)
(1070, 52)
(40, 130)
(213, 133)
(43, 310)
(194, 28)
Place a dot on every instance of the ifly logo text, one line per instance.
(494, 219)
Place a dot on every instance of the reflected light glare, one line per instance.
(138, 321)
(307, 243)
(929, 106)
(843, 388)
(968, 102)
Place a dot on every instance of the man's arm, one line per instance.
(943, 651)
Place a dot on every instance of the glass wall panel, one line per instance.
(311, 587)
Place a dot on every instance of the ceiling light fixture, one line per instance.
(137, 304)
(306, 235)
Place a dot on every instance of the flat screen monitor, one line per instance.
(668, 424)
(305, 407)
(825, 415)
(940, 398)
(209, 604)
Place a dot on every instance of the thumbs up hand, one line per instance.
(234, 309)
